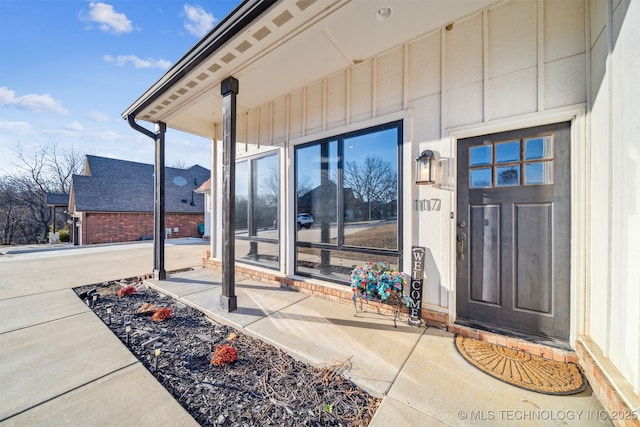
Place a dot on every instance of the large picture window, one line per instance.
(257, 198)
(348, 202)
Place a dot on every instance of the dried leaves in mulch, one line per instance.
(264, 387)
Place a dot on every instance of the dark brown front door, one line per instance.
(513, 230)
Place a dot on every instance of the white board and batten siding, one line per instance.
(613, 269)
(517, 64)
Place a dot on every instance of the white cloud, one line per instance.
(98, 116)
(110, 136)
(74, 126)
(16, 128)
(108, 19)
(180, 143)
(199, 21)
(121, 60)
(31, 102)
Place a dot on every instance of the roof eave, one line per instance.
(230, 26)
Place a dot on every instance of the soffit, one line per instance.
(294, 43)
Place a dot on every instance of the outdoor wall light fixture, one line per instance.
(384, 13)
(425, 167)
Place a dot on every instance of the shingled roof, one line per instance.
(57, 199)
(112, 185)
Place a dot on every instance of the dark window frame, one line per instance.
(340, 210)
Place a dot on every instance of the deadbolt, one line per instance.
(462, 223)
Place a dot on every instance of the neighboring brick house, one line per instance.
(113, 201)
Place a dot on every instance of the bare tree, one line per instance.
(50, 168)
(34, 166)
(47, 169)
(270, 187)
(10, 208)
(20, 221)
(63, 165)
(303, 186)
(372, 180)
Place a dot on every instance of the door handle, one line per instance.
(461, 238)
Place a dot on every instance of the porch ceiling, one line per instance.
(291, 44)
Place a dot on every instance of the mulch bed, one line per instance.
(264, 387)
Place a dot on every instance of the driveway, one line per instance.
(58, 363)
(33, 270)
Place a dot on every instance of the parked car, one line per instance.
(305, 220)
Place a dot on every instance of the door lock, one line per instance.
(461, 238)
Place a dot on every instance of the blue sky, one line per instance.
(68, 68)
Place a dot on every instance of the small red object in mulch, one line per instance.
(126, 291)
(161, 314)
(224, 354)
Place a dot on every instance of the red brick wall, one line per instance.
(623, 415)
(335, 293)
(128, 227)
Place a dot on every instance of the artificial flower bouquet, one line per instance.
(377, 281)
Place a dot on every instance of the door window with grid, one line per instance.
(512, 163)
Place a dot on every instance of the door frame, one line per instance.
(579, 148)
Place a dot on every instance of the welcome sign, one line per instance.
(415, 291)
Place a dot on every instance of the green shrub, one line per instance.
(63, 235)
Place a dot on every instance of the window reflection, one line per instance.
(371, 189)
(316, 192)
(257, 197)
(242, 198)
(339, 263)
(508, 152)
(266, 186)
(538, 148)
(531, 158)
(507, 175)
(349, 187)
(266, 254)
(480, 155)
(538, 173)
(480, 178)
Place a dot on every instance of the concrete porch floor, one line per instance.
(416, 370)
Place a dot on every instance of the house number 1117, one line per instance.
(427, 204)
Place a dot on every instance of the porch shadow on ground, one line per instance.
(421, 377)
(312, 329)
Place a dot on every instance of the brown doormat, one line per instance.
(522, 369)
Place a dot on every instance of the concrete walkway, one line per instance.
(60, 365)
(418, 372)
